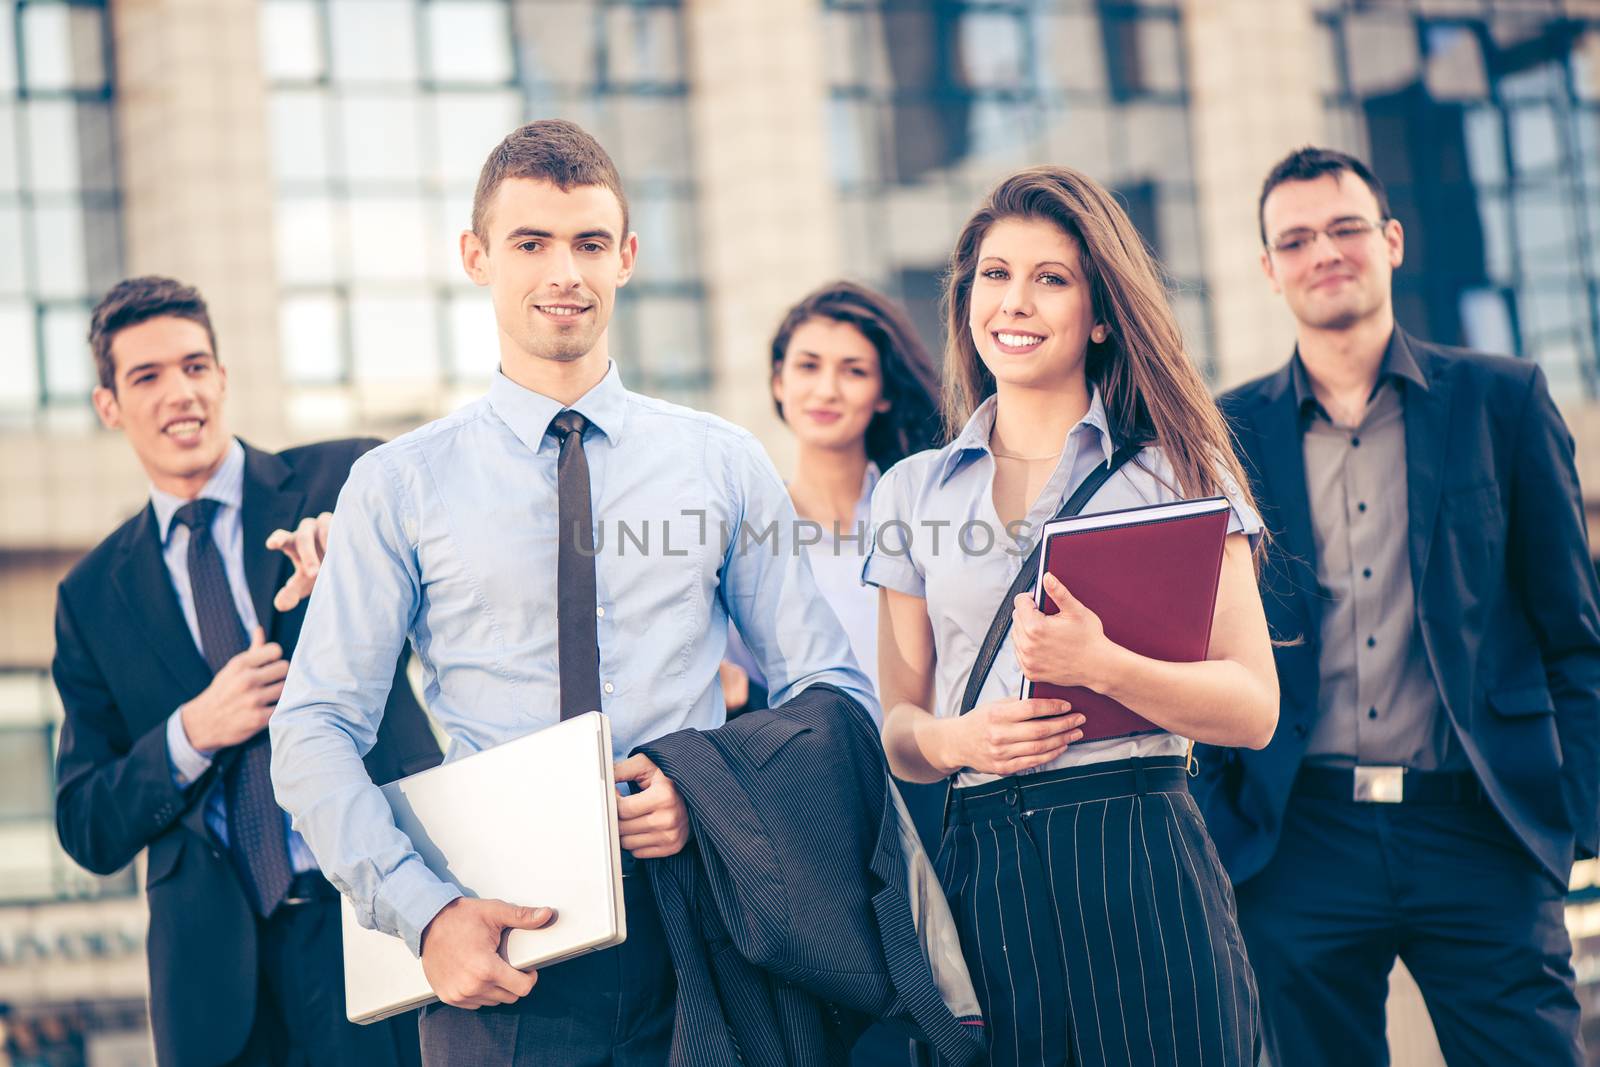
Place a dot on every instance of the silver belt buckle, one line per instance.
(1380, 785)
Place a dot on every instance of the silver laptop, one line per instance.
(532, 821)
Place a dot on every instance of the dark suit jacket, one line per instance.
(124, 661)
(1505, 592)
(788, 915)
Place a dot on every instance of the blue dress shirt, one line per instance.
(447, 536)
(227, 532)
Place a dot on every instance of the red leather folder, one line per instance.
(1151, 575)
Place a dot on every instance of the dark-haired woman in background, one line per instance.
(854, 383)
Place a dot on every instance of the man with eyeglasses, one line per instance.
(1435, 768)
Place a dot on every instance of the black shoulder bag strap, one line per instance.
(1001, 625)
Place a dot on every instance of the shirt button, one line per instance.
(1372, 713)
(1362, 507)
(1372, 642)
(1366, 572)
(609, 688)
(1355, 442)
(599, 612)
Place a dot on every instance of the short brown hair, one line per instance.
(137, 300)
(552, 150)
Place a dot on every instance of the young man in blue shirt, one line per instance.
(493, 539)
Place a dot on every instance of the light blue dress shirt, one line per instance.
(226, 487)
(938, 537)
(447, 536)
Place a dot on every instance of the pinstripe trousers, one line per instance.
(1097, 921)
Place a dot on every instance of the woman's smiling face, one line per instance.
(1031, 309)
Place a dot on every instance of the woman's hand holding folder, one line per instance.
(1067, 648)
(1003, 736)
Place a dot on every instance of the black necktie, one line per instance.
(579, 648)
(255, 822)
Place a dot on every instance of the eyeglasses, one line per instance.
(1345, 234)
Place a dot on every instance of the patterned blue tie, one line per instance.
(255, 822)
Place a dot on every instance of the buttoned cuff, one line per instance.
(188, 763)
(409, 899)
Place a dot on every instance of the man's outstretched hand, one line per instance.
(305, 546)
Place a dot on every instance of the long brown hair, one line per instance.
(1151, 390)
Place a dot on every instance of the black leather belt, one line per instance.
(1074, 785)
(308, 887)
(1389, 785)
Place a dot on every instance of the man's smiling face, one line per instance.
(553, 261)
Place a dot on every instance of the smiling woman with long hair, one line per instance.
(1094, 915)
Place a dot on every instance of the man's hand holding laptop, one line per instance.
(461, 951)
(461, 946)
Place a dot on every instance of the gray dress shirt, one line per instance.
(1377, 703)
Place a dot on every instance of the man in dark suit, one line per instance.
(1434, 771)
(170, 655)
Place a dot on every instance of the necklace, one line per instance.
(1026, 459)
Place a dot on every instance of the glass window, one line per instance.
(64, 46)
(642, 45)
(19, 358)
(1486, 320)
(1535, 140)
(665, 225)
(373, 41)
(853, 141)
(298, 126)
(395, 338)
(1002, 132)
(25, 785)
(291, 40)
(58, 248)
(381, 137)
(1381, 51)
(13, 273)
(1482, 128)
(1072, 43)
(842, 33)
(468, 42)
(10, 163)
(1455, 64)
(466, 125)
(69, 369)
(994, 50)
(670, 347)
(558, 42)
(53, 160)
(390, 238)
(8, 50)
(311, 240)
(311, 331)
(652, 138)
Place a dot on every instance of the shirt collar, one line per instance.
(226, 487)
(528, 413)
(1398, 363)
(973, 439)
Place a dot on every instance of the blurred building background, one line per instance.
(309, 163)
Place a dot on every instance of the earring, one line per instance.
(1098, 335)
